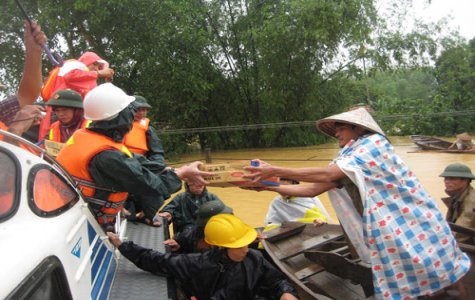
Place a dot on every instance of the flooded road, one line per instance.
(252, 206)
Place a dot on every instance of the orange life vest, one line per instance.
(3, 126)
(55, 132)
(75, 157)
(57, 81)
(136, 138)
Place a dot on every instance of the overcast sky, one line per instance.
(462, 11)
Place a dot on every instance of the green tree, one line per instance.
(231, 62)
(455, 74)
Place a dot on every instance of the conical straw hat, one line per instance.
(464, 136)
(359, 117)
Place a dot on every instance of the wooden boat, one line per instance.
(469, 249)
(435, 144)
(318, 261)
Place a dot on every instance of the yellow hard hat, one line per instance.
(228, 231)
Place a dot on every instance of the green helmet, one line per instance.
(66, 98)
(457, 170)
(209, 209)
(141, 102)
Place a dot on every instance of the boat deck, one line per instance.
(292, 248)
(130, 281)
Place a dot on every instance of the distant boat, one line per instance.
(432, 143)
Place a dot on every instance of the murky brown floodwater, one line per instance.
(252, 206)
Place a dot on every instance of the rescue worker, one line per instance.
(461, 200)
(230, 270)
(104, 168)
(67, 105)
(183, 208)
(142, 139)
(191, 240)
(80, 75)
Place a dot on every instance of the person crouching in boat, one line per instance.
(105, 169)
(67, 105)
(191, 239)
(463, 142)
(393, 223)
(230, 270)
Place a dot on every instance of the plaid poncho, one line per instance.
(403, 235)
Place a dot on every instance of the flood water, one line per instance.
(252, 206)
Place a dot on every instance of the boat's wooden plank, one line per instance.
(469, 279)
(344, 268)
(335, 287)
(289, 268)
(285, 231)
(308, 271)
(311, 237)
(313, 281)
(311, 243)
(462, 229)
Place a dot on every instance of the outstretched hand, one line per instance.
(193, 174)
(262, 172)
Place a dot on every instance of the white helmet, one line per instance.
(105, 102)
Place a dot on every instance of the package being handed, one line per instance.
(231, 174)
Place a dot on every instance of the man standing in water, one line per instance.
(389, 217)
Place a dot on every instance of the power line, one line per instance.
(378, 117)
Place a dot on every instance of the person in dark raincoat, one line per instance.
(142, 139)
(228, 271)
(191, 240)
(183, 208)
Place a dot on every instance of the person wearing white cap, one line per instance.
(390, 219)
(105, 169)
